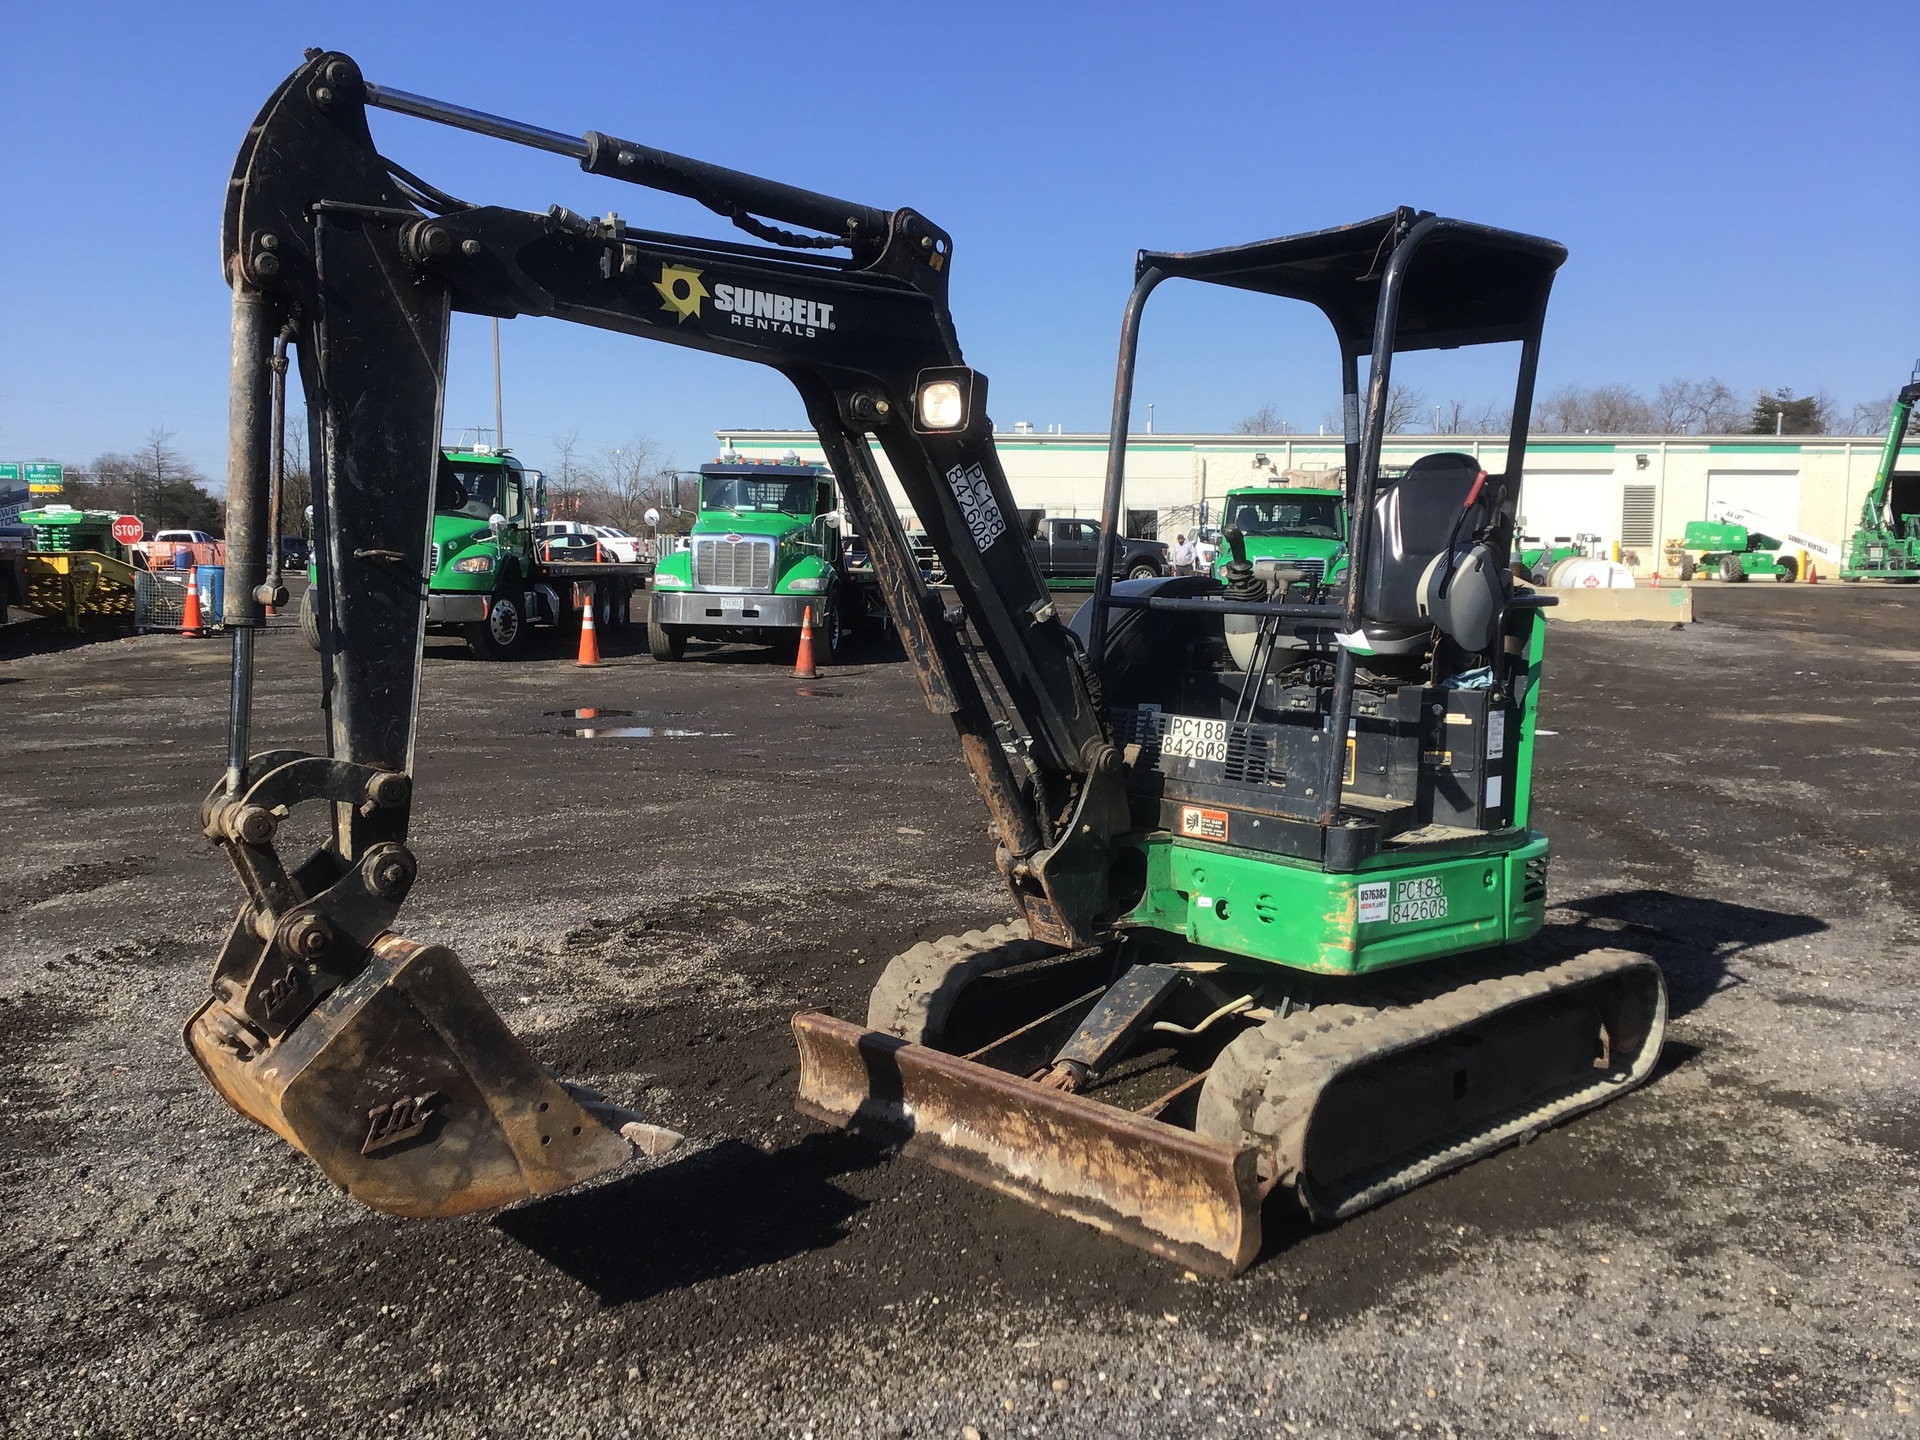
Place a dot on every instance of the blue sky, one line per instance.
(1730, 179)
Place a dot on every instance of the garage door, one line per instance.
(1556, 503)
(1774, 494)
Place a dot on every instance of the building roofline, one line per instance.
(1041, 439)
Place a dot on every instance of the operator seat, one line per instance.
(1415, 517)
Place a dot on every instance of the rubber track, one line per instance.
(916, 991)
(1273, 1084)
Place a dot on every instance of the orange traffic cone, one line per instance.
(190, 622)
(803, 660)
(589, 638)
(1813, 574)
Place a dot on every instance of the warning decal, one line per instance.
(1199, 824)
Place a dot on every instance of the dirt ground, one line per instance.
(1729, 1251)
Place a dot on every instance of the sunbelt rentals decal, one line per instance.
(683, 292)
(1403, 902)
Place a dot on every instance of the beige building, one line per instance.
(1636, 490)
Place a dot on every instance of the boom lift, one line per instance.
(1886, 544)
(1188, 843)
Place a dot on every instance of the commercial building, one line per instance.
(1634, 490)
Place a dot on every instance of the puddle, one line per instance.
(816, 692)
(638, 732)
(590, 713)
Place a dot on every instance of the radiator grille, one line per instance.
(733, 564)
(1535, 886)
(1252, 756)
(433, 558)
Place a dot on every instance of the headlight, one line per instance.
(942, 406)
(808, 584)
(668, 582)
(947, 398)
(474, 565)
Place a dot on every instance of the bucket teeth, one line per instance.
(408, 1090)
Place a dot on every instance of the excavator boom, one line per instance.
(377, 1056)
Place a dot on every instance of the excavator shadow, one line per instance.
(724, 1210)
(1694, 940)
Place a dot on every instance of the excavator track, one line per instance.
(1352, 1105)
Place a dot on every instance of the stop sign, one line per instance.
(128, 530)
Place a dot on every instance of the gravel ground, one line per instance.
(1729, 1251)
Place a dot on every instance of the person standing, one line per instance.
(1180, 556)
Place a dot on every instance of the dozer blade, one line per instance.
(1168, 1190)
(407, 1089)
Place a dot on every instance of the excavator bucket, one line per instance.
(410, 1092)
(1165, 1189)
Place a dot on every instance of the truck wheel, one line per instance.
(499, 636)
(833, 637)
(1687, 568)
(1789, 570)
(1144, 570)
(310, 619)
(1730, 570)
(666, 642)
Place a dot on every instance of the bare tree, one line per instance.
(566, 487)
(622, 484)
(1871, 417)
(1698, 407)
(1267, 420)
(156, 482)
(1492, 418)
(1404, 408)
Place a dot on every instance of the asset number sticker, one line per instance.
(1422, 899)
(1373, 901)
(1193, 738)
(1496, 734)
(1199, 824)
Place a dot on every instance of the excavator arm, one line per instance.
(377, 1055)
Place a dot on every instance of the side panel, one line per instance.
(1304, 918)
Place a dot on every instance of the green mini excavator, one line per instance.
(1280, 902)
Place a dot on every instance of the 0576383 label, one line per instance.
(1374, 897)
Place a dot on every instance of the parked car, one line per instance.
(619, 545)
(183, 537)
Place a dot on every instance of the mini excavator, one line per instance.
(1280, 909)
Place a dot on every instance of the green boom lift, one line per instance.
(1887, 544)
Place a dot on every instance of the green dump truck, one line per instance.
(766, 546)
(1306, 527)
(488, 579)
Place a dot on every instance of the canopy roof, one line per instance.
(1467, 284)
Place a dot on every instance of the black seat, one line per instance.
(1415, 516)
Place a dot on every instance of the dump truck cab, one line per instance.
(484, 506)
(1304, 527)
(766, 548)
